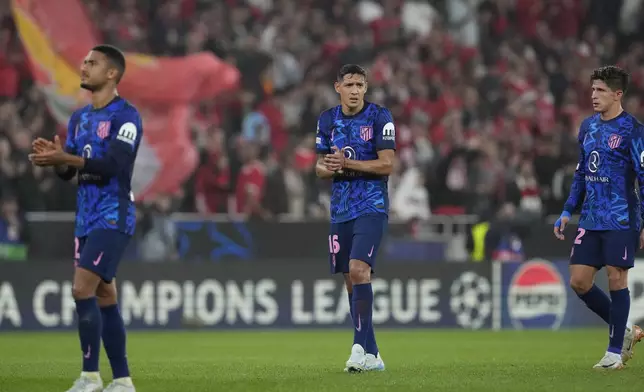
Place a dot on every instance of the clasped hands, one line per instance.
(335, 162)
(47, 153)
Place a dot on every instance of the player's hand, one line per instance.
(41, 145)
(334, 162)
(642, 240)
(49, 157)
(560, 225)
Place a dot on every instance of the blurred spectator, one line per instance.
(160, 239)
(13, 230)
(251, 182)
(530, 203)
(499, 237)
(410, 199)
(212, 182)
(478, 89)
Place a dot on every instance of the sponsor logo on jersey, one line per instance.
(127, 133)
(389, 131)
(537, 296)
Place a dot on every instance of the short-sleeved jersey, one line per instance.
(114, 131)
(360, 136)
(611, 157)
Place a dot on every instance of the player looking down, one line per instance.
(611, 158)
(355, 142)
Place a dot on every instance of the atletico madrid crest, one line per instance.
(103, 129)
(614, 141)
(366, 133)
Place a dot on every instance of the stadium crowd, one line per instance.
(487, 96)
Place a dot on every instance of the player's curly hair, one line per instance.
(614, 77)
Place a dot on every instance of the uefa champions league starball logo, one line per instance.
(471, 300)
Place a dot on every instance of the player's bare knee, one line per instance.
(106, 294)
(617, 278)
(359, 272)
(82, 291)
(580, 284)
(85, 284)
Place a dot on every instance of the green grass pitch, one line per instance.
(416, 360)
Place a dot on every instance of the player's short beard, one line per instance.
(88, 87)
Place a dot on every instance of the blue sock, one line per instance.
(620, 305)
(89, 330)
(114, 341)
(362, 312)
(598, 302)
(350, 295)
(372, 347)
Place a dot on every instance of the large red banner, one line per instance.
(58, 34)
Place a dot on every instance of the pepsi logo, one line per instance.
(537, 296)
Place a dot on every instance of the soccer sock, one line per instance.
(362, 312)
(371, 346)
(620, 305)
(114, 341)
(598, 302)
(350, 295)
(89, 330)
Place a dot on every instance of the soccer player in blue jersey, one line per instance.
(611, 158)
(102, 142)
(355, 142)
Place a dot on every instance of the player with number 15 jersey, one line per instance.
(356, 141)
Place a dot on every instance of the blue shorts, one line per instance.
(357, 239)
(101, 251)
(599, 248)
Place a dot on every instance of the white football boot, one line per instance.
(87, 382)
(357, 360)
(610, 361)
(633, 335)
(374, 363)
(121, 385)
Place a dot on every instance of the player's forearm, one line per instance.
(65, 172)
(577, 193)
(107, 167)
(381, 167)
(74, 161)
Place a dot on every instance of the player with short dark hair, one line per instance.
(611, 158)
(356, 141)
(102, 143)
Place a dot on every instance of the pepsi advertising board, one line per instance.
(536, 295)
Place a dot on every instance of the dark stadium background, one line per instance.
(487, 96)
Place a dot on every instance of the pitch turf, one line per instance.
(426, 360)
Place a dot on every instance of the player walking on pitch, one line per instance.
(355, 142)
(102, 142)
(611, 157)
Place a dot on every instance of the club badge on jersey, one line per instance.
(103, 129)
